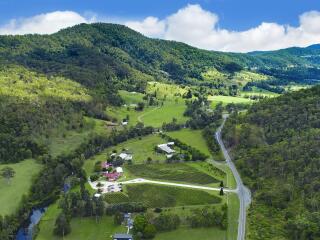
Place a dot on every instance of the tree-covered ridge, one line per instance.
(276, 147)
(30, 105)
(16, 81)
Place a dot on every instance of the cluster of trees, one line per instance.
(209, 217)
(77, 204)
(200, 113)
(276, 148)
(266, 85)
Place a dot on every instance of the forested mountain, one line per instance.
(276, 148)
(103, 58)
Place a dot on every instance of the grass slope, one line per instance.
(62, 141)
(192, 138)
(179, 172)
(167, 196)
(19, 185)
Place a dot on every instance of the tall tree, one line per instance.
(8, 173)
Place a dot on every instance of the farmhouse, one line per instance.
(125, 156)
(122, 236)
(112, 176)
(166, 147)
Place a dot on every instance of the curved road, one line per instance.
(242, 191)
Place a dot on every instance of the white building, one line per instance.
(119, 170)
(125, 156)
(165, 148)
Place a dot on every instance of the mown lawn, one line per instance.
(140, 148)
(192, 138)
(12, 193)
(184, 233)
(178, 172)
(233, 215)
(167, 196)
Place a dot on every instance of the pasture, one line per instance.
(177, 172)
(65, 141)
(170, 106)
(192, 138)
(167, 196)
(11, 194)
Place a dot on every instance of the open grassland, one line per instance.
(192, 138)
(165, 114)
(243, 77)
(131, 97)
(166, 196)
(63, 141)
(12, 193)
(82, 229)
(164, 90)
(228, 99)
(170, 106)
(178, 172)
(141, 149)
(185, 233)
(151, 116)
(17, 81)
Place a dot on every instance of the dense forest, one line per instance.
(276, 148)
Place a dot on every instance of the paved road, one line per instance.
(142, 180)
(242, 191)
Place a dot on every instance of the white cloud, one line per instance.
(191, 24)
(150, 26)
(198, 27)
(44, 23)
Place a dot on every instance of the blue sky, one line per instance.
(240, 16)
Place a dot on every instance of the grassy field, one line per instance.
(131, 97)
(11, 194)
(140, 148)
(193, 234)
(192, 138)
(85, 228)
(164, 90)
(228, 99)
(166, 196)
(173, 106)
(165, 114)
(63, 141)
(178, 172)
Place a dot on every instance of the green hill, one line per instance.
(276, 148)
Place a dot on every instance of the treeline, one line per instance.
(276, 148)
(189, 154)
(146, 226)
(61, 170)
(21, 121)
